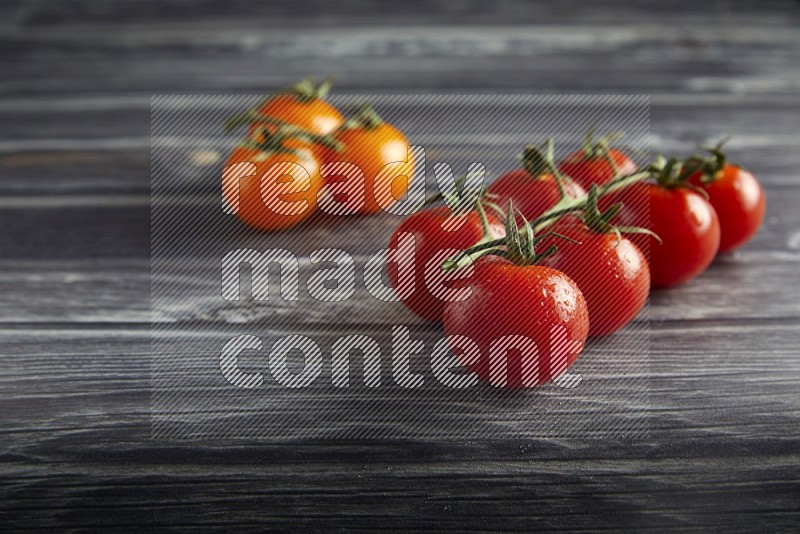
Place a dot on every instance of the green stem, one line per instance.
(250, 117)
(364, 116)
(273, 140)
(572, 205)
(487, 231)
(537, 163)
(611, 162)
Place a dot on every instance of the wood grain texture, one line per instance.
(723, 449)
(718, 444)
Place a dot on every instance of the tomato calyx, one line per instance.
(600, 147)
(518, 245)
(534, 161)
(362, 116)
(710, 166)
(599, 221)
(673, 173)
(540, 162)
(486, 228)
(275, 134)
(271, 134)
(307, 89)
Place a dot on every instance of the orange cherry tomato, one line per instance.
(272, 190)
(381, 152)
(302, 105)
(312, 114)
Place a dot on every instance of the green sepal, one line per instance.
(710, 165)
(361, 115)
(307, 89)
(600, 221)
(594, 148)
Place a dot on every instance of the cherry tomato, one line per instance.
(587, 168)
(381, 153)
(302, 105)
(531, 195)
(533, 189)
(432, 239)
(611, 272)
(272, 190)
(739, 202)
(686, 223)
(539, 305)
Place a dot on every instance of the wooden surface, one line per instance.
(723, 449)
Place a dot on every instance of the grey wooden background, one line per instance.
(724, 446)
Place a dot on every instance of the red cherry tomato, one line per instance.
(587, 169)
(431, 240)
(686, 223)
(531, 195)
(612, 273)
(537, 313)
(739, 202)
(533, 189)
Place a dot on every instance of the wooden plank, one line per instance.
(77, 232)
(694, 56)
(96, 227)
(320, 14)
(716, 403)
(75, 288)
(547, 74)
(108, 151)
(75, 387)
(118, 291)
